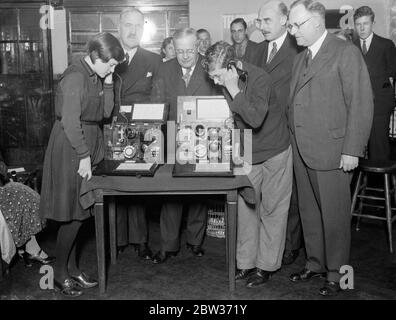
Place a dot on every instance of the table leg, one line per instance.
(226, 212)
(232, 209)
(113, 231)
(100, 245)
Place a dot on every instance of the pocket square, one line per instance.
(149, 74)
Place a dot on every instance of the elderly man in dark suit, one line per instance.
(183, 76)
(380, 56)
(330, 115)
(277, 54)
(134, 84)
(245, 49)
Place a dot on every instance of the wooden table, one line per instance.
(101, 190)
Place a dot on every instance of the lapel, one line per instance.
(196, 78)
(372, 51)
(265, 55)
(318, 62)
(297, 70)
(135, 70)
(281, 55)
(178, 82)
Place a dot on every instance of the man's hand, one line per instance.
(348, 163)
(231, 79)
(84, 169)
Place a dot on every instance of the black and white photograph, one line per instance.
(196, 157)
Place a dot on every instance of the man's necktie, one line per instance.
(308, 59)
(126, 58)
(239, 51)
(272, 53)
(187, 76)
(364, 47)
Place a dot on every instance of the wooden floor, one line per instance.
(188, 277)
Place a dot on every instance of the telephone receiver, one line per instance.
(241, 73)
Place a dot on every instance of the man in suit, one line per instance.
(380, 56)
(134, 84)
(330, 115)
(244, 48)
(261, 229)
(204, 41)
(277, 55)
(183, 76)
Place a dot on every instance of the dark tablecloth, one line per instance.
(163, 181)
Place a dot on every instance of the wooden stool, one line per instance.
(387, 169)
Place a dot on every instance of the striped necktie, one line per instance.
(364, 47)
(187, 76)
(272, 53)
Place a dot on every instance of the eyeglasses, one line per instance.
(297, 25)
(188, 51)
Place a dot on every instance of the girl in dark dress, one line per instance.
(83, 100)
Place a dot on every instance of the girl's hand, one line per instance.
(84, 169)
(231, 79)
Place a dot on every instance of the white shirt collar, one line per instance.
(316, 46)
(184, 70)
(279, 42)
(131, 53)
(368, 41)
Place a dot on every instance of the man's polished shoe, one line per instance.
(258, 278)
(68, 288)
(143, 251)
(289, 257)
(29, 259)
(161, 256)
(84, 281)
(330, 289)
(195, 249)
(305, 275)
(243, 274)
(121, 249)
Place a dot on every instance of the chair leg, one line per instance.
(356, 192)
(388, 210)
(361, 200)
(394, 187)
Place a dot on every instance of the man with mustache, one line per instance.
(135, 85)
(277, 54)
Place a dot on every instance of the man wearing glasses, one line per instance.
(330, 115)
(277, 55)
(183, 76)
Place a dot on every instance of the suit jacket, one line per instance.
(256, 107)
(252, 54)
(169, 84)
(381, 64)
(137, 78)
(331, 104)
(280, 68)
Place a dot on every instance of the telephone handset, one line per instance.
(241, 73)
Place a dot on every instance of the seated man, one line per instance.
(261, 229)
